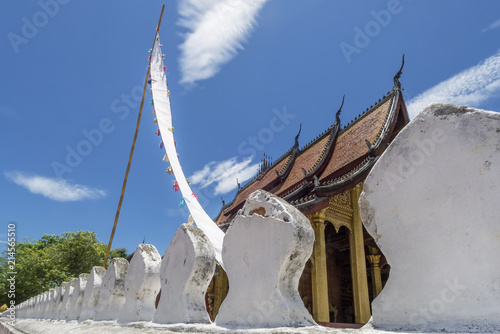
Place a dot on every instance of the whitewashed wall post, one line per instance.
(52, 309)
(112, 295)
(264, 252)
(92, 293)
(68, 296)
(186, 271)
(77, 299)
(142, 284)
(39, 305)
(48, 304)
(431, 203)
(28, 308)
(59, 308)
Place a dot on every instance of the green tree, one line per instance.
(44, 264)
(118, 252)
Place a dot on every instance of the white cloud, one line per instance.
(492, 26)
(224, 174)
(217, 29)
(56, 189)
(470, 87)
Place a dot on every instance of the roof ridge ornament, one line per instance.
(297, 136)
(397, 84)
(337, 115)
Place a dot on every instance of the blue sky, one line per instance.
(242, 74)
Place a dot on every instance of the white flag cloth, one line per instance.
(163, 114)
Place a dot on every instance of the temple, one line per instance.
(324, 180)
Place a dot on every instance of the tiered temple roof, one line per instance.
(333, 162)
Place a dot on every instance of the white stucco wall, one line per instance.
(47, 307)
(66, 302)
(187, 268)
(77, 298)
(112, 294)
(54, 296)
(39, 305)
(59, 301)
(92, 293)
(265, 251)
(142, 284)
(432, 203)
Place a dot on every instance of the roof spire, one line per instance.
(397, 84)
(297, 136)
(337, 115)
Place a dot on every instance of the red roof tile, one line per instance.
(307, 159)
(351, 143)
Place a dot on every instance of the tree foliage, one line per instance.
(44, 264)
(118, 252)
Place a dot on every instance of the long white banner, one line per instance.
(161, 101)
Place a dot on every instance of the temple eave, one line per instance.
(347, 180)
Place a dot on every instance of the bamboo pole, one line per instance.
(132, 148)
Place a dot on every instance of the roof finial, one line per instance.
(337, 115)
(239, 185)
(223, 202)
(397, 84)
(297, 136)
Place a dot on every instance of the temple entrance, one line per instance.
(340, 307)
(338, 261)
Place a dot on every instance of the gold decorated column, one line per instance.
(374, 260)
(358, 263)
(319, 274)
